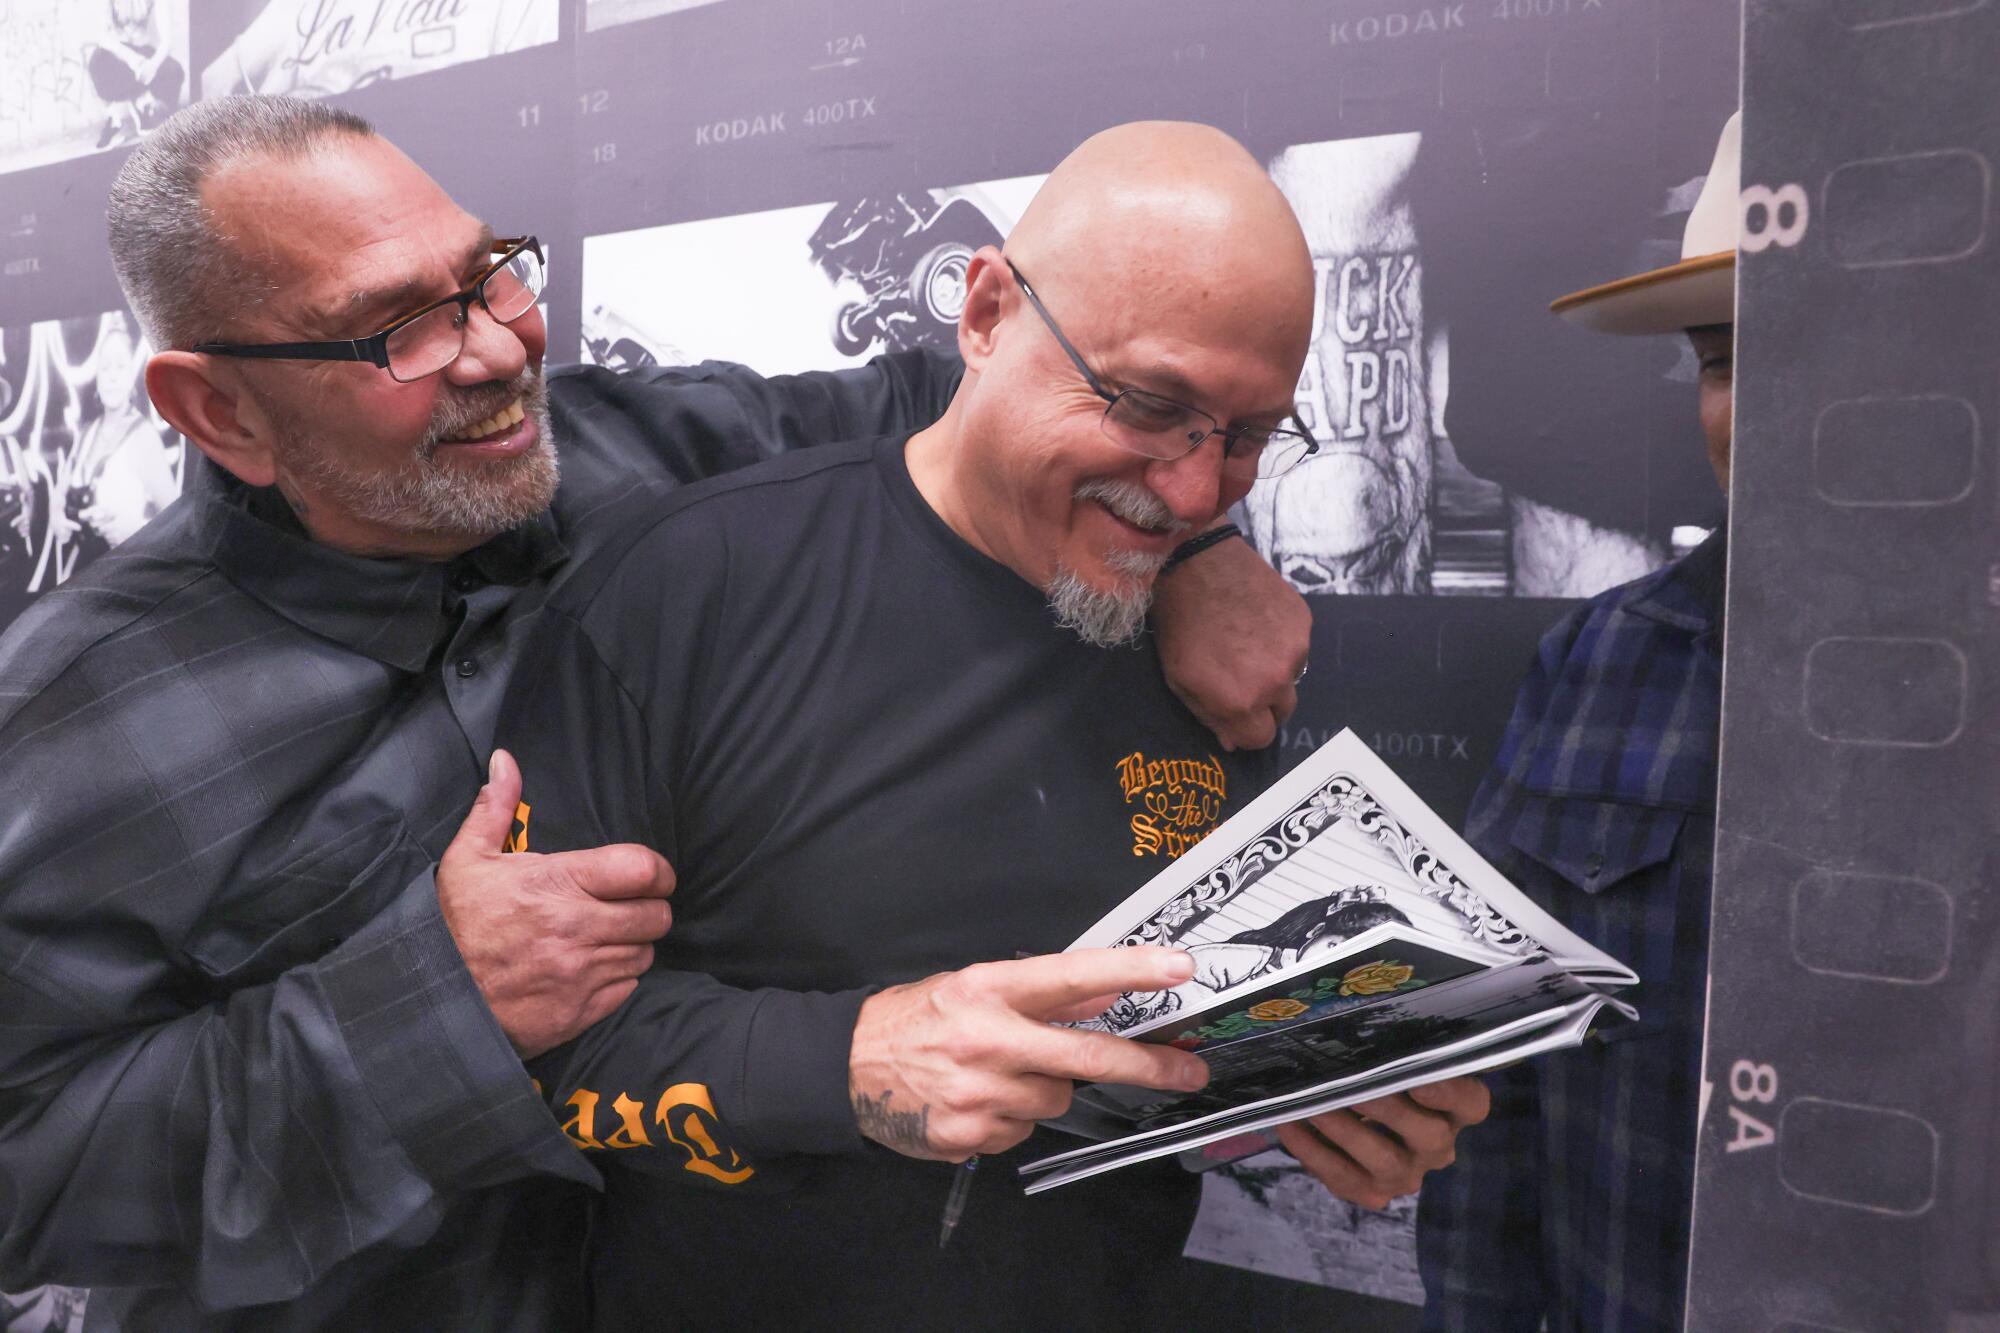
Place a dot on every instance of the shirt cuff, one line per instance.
(795, 1095)
(448, 1082)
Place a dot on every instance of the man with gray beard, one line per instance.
(265, 987)
(425, 493)
(894, 785)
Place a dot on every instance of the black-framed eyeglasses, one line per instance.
(426, 340)
(1157, 427)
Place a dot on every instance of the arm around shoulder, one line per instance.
(687, 423)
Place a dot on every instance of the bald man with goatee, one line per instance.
(882, 707)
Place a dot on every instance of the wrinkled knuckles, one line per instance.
(965, 1044)
(625, 865)
(540, 878)
(1428, 1142)
(964, 1094)
(956, 1137)
(1092, 1064)
(974, 983)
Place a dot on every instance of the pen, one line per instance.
(954, 1202)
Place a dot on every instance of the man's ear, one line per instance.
(989, 294)
(216, 416)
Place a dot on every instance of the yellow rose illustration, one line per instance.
(1375, 978)
(1270, 1011)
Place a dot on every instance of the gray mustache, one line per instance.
(1129, 501)
(454, 413)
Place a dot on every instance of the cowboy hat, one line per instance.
(1699, 290)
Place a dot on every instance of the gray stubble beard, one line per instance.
(424, 497)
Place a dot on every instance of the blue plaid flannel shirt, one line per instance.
(1568, 1209)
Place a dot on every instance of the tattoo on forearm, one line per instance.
(906, 1131)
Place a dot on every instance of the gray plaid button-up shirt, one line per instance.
(245, 1078)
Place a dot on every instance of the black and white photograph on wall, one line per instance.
(85, 461)
(320, 48)
(611, 13)
(816, 287)
(82, 76)
(43, 1310)
(1268, 1215)
(1393, 504)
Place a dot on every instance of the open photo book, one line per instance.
(1348, 945)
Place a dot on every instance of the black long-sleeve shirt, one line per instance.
(241, 1061)
(872, 755)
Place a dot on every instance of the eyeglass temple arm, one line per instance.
(356, 349)
(1083, 367)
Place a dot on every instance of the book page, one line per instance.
(1337, 847)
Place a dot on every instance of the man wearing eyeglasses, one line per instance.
(265, 987)
(894, 724)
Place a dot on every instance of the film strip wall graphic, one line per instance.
(1847, 1170)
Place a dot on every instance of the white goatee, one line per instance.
(1114, 617)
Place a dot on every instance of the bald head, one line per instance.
(1164, 221)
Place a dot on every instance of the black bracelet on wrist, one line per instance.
(1194, 546)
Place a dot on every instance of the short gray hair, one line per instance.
(180, 272)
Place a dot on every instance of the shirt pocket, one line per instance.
(1608, 870)
(307, 905)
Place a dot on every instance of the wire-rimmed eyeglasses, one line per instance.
(1157, 427)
